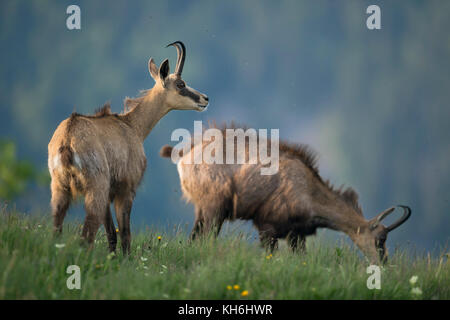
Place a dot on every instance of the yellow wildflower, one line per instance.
(236, 287)
(244, 293)
(229, 287)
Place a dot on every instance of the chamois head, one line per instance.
(178, 95)
(371, 239)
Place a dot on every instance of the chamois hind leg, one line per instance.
(123, 204)
(110, 230)
(213, 219)
(198, 224)
(268, 239)
(297, 242)
(96, 205)
(60, 203)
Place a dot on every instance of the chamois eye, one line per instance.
(181, 85)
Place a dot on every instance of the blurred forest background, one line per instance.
(373, 103)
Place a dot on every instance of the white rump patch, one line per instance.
(54, 162)
(180, 170)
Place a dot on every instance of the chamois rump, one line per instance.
(101, 157)
(290, 204)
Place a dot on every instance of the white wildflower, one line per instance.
(416, 291)
(60, 245)
(413, 280)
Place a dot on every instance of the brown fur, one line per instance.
(101, 156)
(166, 151)
(66, 156)
(104, 111)
(309, 159)
(291, 204)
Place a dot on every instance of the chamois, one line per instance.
(290, 204)
(101, 157)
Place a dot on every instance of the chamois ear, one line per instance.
(153, 69)
(164, 70)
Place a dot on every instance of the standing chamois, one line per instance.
(101, 157)
(290, 204)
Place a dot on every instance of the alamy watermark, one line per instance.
(374, 280)
(74, 280)
(374, 20)
(208, 146)
(73, 22)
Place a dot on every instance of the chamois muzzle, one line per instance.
(385, 213)
(181, 53)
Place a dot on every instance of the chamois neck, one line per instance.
(146, 114)
(336, 214)
(350, 222)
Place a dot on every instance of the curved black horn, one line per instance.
(406, 215)
(181, 52)
(385, 213)
(380, 217)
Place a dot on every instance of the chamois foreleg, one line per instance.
(297, 242)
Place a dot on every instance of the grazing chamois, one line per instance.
(101, 156)
(290, 204)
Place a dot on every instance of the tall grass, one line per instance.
(33, 266)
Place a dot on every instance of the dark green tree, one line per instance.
(15, 175)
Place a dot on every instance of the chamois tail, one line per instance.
(166, 151)
(67, 156)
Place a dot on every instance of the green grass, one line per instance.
(32, 267)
